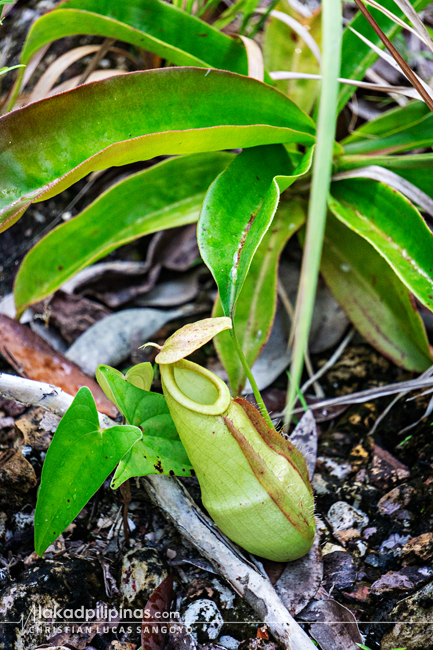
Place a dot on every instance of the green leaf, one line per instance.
(140, 375)
(237, 211)
(150, 25)
(357, 55)
(49, 145)
(160, 450)
(393, 226)
(164, 196)
(283, 49)
(396, 130)
(255, 309)
(78, 461)
(416, 169)
(376, 301)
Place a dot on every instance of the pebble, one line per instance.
(343, 516)
(418, 547)
(394, 502)
(206, 613)
(142, 572)
(229, 642)
(386, 471)
(338, 571)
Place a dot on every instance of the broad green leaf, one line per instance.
(148, 24)
(237, 211)
(416, 169)
(396, 130)
(164, 196)
(283, 49)
(78, 461)
(255, 309)
(160, 450)
(49, 145)
(140, 375)
(376, 301)
(393, 226)
(357, 55)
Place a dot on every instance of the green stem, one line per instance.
(331, 39)
(249, 374)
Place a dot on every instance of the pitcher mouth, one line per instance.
(195, 388)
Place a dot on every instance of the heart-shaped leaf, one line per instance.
(238, 208)
(160, 451)
(78, 461)
(49, 145)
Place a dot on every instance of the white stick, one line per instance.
(181, 510)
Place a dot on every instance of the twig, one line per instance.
(396, 55)
(181, 510)
(95, 61)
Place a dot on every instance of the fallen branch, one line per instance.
(181, 510)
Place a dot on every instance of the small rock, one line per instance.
(343, 516)
(347, 536)
(359, 457)
(420, 547)
(320, 485)
(7, 422)
(394, 543)
(359, 594)
(333, 468)
(12, 408)
(206, 613)
(17, 477)
(229, 642)
(386, 471)
(338, 571)
(142, 572)
(417, 610)
(390, 583)
(121, 645)
(394, 501)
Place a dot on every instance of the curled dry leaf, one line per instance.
(34, 358)
(191, 337)
(343, 634)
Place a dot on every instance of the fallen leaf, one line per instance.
(301, 579)
(152, 635)
(111, 340)
(334, 627)
(70, 313)
(34, 358)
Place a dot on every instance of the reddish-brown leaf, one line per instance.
(153, 627)
(34, 358)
